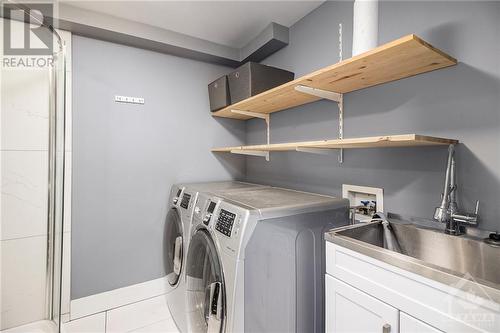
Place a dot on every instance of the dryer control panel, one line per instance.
(188, 200)
(186, 197)
(175, 200)
(225, 222)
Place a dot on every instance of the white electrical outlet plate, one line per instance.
(356, 194)
(128, 99)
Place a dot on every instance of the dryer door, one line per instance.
(205, 292)
(174, 251)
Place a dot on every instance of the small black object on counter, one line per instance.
(493, 239)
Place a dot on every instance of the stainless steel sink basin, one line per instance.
(431, 253)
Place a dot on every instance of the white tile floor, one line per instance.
(137, 315)
(167, 326)
(148, 316)
(43, 326)
(151, 316)
(95, 323)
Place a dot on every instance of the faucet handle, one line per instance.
(468, 218)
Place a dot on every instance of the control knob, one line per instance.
(207, 218)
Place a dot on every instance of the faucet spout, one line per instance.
(441, 213)
(447, 212)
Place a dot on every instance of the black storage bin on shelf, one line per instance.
(218, 93)
(252, 78)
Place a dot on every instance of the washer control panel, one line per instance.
(225, 222)
(229, 226)
(210, 212)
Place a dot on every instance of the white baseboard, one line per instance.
(89, 305)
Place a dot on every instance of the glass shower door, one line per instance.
(56, 183)
(32, 178)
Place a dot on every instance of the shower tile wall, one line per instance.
(24, 144)
(24, 195)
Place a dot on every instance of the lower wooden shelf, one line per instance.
(385, 141)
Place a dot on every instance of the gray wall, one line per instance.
(126, 157)
(460, 102)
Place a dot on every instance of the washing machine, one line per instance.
(176, 241)
(183, 198)
(255, 261)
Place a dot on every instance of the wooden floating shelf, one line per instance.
(386, 141)
(402, 58)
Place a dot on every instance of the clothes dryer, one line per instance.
(255, 261)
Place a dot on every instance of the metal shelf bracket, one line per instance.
(267, 119)
(251, 153)
(333, 96)
(341, 126)
(252, 114)
(326, 94)
(319, 151)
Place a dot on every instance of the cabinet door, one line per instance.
(351, 310)
(408, 324)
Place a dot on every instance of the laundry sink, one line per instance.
(428, 252)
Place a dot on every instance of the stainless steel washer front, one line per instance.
(174, 252)
(205, 289)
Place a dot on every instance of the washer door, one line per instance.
(205, 285)
(174, 246)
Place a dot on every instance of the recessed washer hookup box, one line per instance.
(252, 78)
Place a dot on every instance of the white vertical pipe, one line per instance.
(365, 26)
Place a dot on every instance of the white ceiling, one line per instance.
(230, 23)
